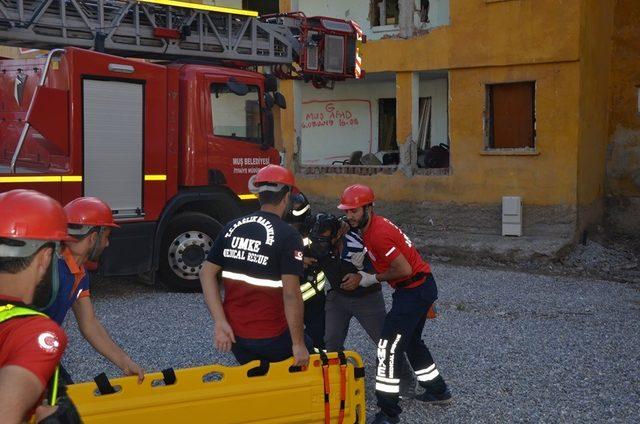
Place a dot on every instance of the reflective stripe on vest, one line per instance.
(308, 290)
(262, 282)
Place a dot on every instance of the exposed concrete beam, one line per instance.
(405, 18)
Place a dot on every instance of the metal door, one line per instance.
(113, 144)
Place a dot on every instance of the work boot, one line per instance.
(435, 392)
(442, 398)
(382, 418)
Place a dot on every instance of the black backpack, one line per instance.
(437, 157)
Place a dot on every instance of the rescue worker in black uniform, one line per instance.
(259, 259)
(313, 281)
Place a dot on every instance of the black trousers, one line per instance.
(314, 319)
(273, 349)
(65, 376)
(402, 332)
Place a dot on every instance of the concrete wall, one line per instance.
(595, 64)
(473, 223)
(356, 10)
(329, 141)
(623, 150)
(334, 142)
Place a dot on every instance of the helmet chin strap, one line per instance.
(94, 250)
(55, 281)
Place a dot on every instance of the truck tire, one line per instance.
(185, 245)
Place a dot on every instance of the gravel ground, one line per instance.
(514, 347)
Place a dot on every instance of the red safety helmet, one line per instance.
(355, 196)
(271, 178)
(30, 215)
(89, 212)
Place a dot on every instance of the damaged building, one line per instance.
(476, 118)
(480, 118)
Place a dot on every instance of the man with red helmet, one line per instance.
(31, 344)
(398, 262)
(260, 259)
(90, 222)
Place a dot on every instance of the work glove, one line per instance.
(357, 259)
(367, 279)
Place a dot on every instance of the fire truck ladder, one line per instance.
(153, 29)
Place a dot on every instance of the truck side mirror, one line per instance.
(268, 139)
(268, 101)
(237, 87)
(280, 100)
(270, 83)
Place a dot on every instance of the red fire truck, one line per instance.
(158, 108)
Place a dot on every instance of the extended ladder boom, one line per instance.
(168, 29)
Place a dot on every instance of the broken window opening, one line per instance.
(387, 125)
(384, 12)
(424, 11)
(511, 121)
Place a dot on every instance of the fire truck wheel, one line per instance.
(185, 245)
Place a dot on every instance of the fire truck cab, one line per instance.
(170, 148)
(167, 130)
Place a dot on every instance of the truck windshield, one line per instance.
(235, 116)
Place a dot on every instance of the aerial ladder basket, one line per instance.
(330, 390)
(317, 49)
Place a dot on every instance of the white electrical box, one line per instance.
(512, 216)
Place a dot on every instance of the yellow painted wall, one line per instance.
(623, 168)
(595, 64)
(585, 58)
(485, 44)
(403, 106)
(486, 34)
(545, 179)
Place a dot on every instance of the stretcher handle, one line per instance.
(169, 376)
(104, 386)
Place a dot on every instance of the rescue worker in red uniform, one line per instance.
(31, 344)
(90, 223)
(260, 259)
(398, 262)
